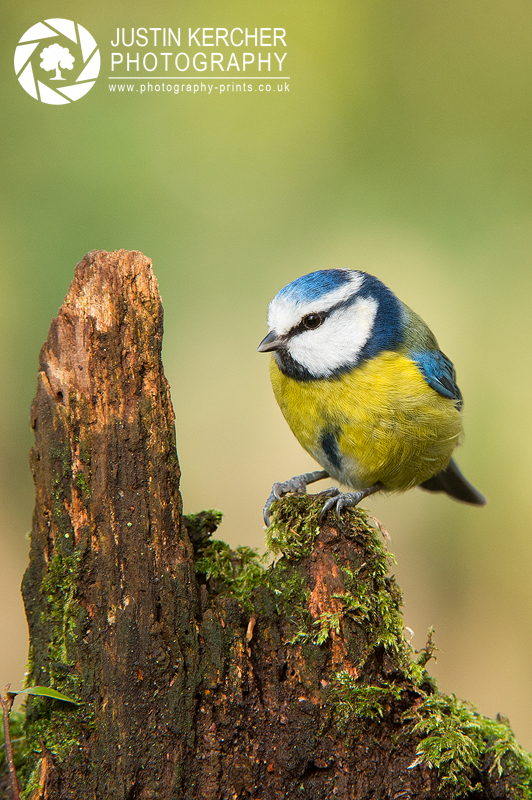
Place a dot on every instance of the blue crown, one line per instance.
(315, 284)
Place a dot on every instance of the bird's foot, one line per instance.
(296, 485)
(340, 500)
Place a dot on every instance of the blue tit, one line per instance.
(363, 385)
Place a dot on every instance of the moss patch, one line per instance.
(237, 572)
(52, 725)
(461, 746)
(370, 598)
(459, 743)
(59, 587)
(354, 701)
(294, 526)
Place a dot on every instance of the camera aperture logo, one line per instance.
(57, 61)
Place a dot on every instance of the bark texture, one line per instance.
(110, 592)
(199, 674)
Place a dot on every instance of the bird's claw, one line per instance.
(295, 485)
(341, 500)
(336, 501)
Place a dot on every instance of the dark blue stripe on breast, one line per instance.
(329, 446)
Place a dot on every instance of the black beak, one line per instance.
(270, 342)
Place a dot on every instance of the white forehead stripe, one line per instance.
(339, 341)
(285, 312)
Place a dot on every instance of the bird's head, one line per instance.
(325, 323)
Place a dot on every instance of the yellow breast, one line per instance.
(381, 422)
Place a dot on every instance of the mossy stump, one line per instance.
(200, 673)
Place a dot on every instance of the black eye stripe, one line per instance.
(303, 325)
(300, 327)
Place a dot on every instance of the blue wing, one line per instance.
(438, 371)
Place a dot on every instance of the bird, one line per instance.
(365, 389)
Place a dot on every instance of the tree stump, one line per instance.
(199, 673)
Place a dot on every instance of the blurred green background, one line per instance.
(403, 148)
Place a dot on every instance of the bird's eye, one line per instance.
(312, 321)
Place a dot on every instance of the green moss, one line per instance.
(453, 738)
(322, 627)
(61, 455)
(294, 526)
(458, 742)
(354, 701)
(370, 599)
(59, 587)
(82, 484)
(416, 671)
(288, 587)
(30, 667)
(53, 727)
(290, 594)
(375, 602)
(85, 450)
(56, 729)
(452, 741)
(237, 571)
(62, 473)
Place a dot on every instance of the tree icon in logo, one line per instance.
(69, 46)
(54, 57)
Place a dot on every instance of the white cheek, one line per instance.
(338, 341)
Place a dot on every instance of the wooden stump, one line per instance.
(200, 675)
